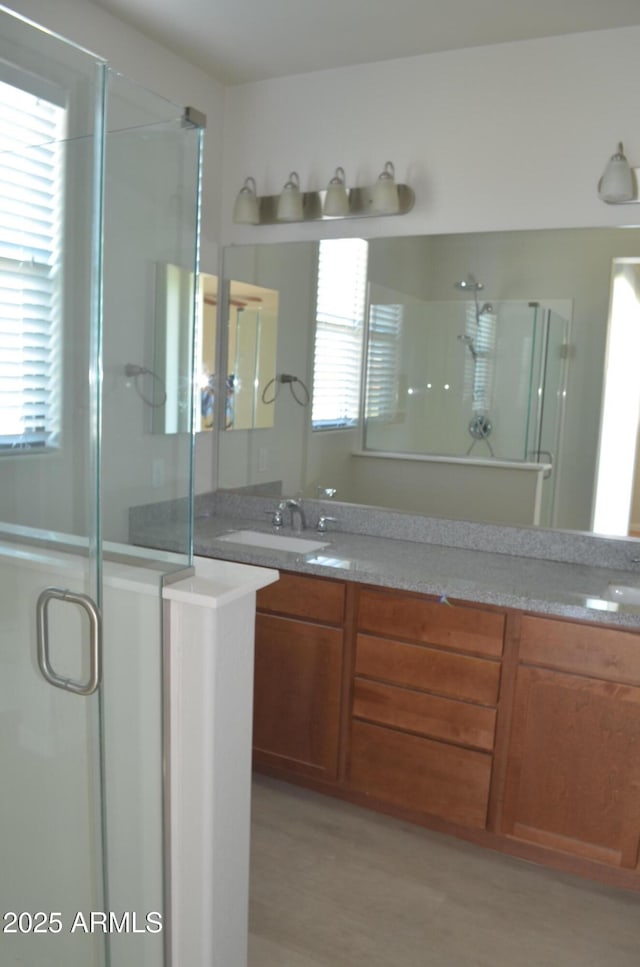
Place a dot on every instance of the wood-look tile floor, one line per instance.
(333, 885)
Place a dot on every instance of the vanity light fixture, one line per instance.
(618, 185)
(385, 197)
(336, 199)
(385, 192)
(246, 210)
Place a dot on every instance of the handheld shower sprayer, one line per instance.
(471, 284)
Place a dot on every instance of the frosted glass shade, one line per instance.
(336, 201)
(246, 210)
(616, 184)
(290, 200)
(385, 192)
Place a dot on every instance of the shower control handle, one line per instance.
(95, 640)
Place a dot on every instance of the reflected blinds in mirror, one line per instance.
(340, 311)
(383, 362)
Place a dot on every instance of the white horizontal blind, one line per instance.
(383, 362)
(480, 371)
(31, 160)
(340, 308)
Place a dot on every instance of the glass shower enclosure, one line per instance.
(467, 381)
(99, 189)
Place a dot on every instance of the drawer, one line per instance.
(429, 715)
(402, 616)
(419, 774)
(417, 666)
(583, 649)
(304, 597)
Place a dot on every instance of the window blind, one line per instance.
(480, 371)
(383, 361)
(31, 161)
(340, 309)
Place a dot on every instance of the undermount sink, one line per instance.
(623, 593)
(276, 542)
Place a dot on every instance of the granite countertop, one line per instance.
(572, 590)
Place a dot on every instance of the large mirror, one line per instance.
(459, 376)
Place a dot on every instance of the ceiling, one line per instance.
(238, 41)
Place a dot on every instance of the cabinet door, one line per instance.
(298, 673)
(573, 775)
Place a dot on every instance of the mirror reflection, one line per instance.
(251, 356)
(166, 388)
(457, 376)
(251, 339)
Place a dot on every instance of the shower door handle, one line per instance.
(95, 640)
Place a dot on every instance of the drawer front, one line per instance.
(428, 715)
(304, 597)
(585, 650)
(401, 616)
(419, 774)
(456, 676)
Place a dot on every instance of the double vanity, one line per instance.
(482, 681)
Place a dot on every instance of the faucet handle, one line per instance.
(321, 526)
(276, 516)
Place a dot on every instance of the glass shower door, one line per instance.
(51, 829)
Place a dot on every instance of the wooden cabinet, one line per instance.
(573, 773)
(425, 688)
(298, 676)
(506, 728)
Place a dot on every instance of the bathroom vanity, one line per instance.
(516, 731)
(482, 681)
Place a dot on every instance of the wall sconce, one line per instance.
(385, 192)
(618, 185)
(246, 210)
(385, 197)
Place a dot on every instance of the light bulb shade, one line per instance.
(616, 184)
(336, 200)
(385, 192)
(290, 200)
(246, 210)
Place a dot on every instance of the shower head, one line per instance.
(470, 284)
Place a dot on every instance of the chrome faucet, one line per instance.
(298, 520)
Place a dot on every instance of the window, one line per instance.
(340, 309)
(31, 159)
(383, 362)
